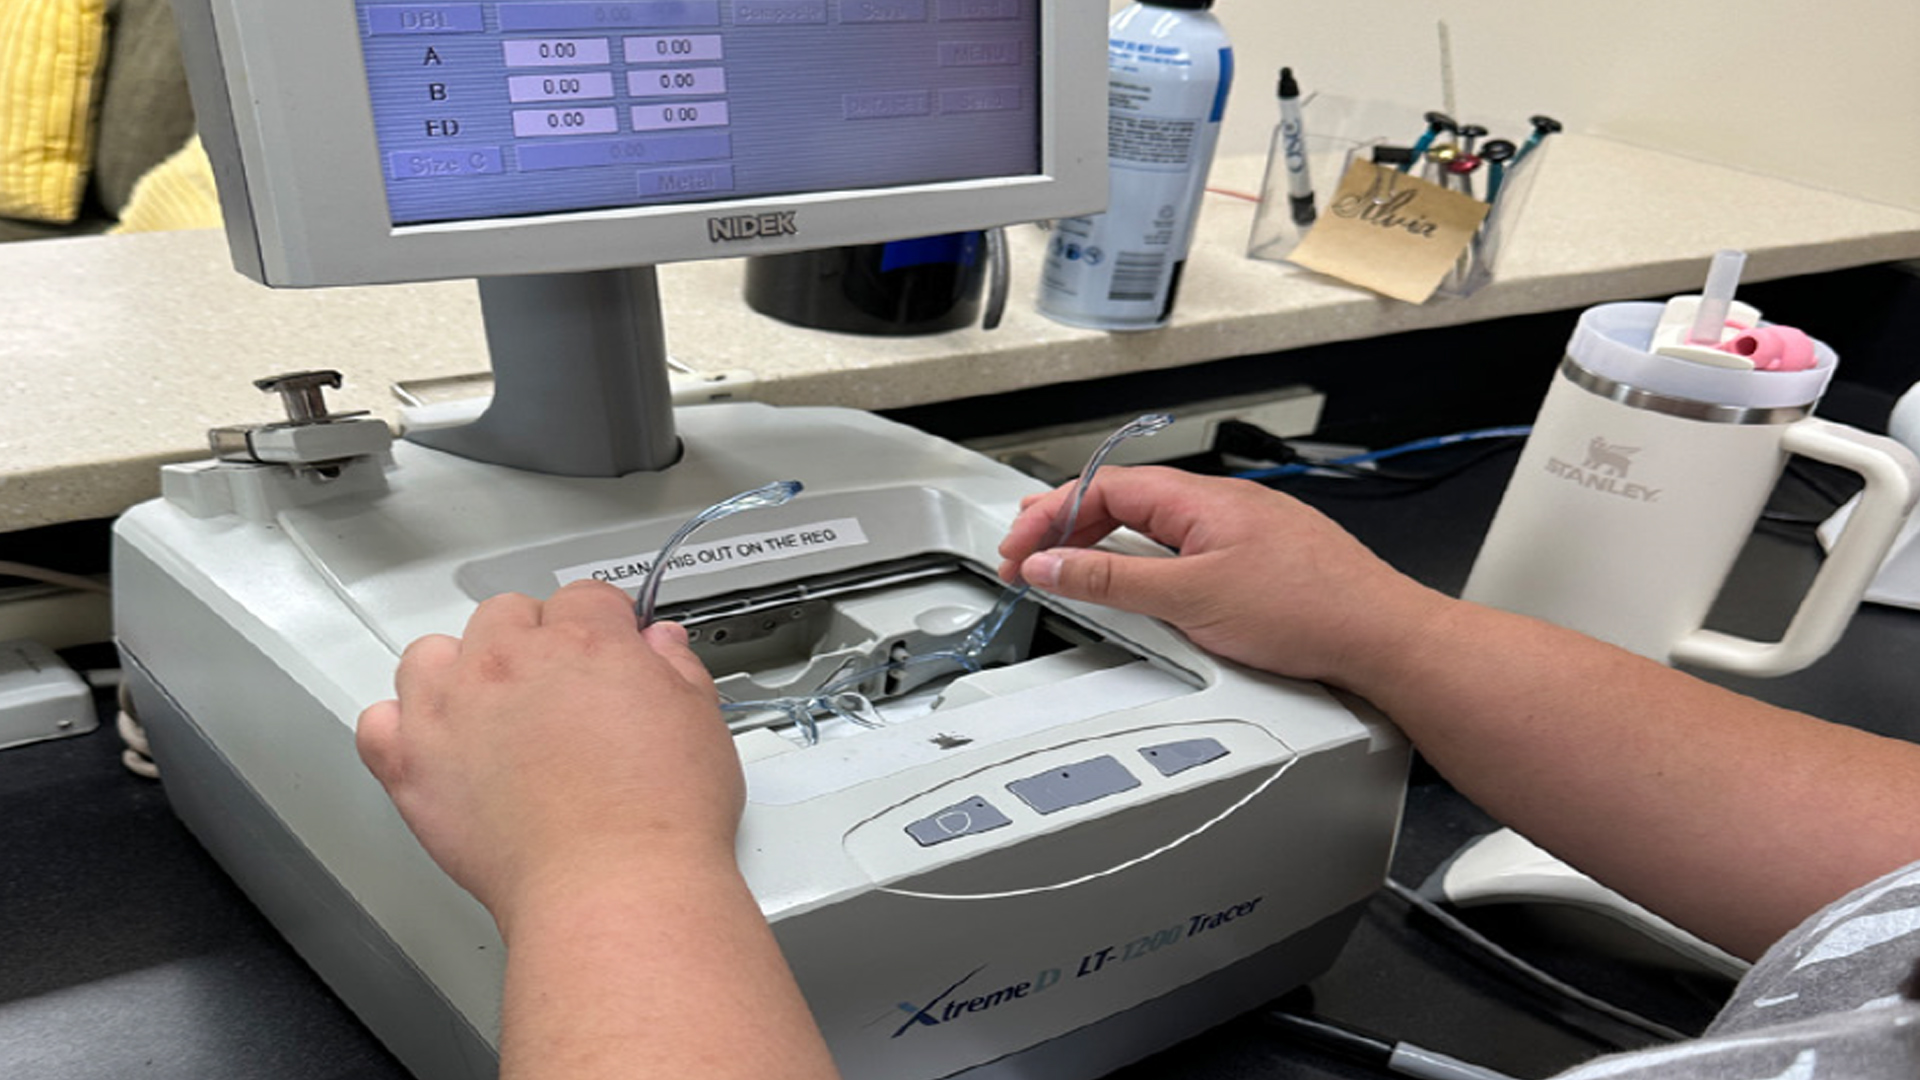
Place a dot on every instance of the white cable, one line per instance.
(1567, 990)
(51, 577)
(138, 756)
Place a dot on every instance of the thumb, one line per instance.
(377, 737)
(669, 640)
(1144, 585)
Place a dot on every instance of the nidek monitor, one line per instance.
(558, 150)
(362, 141)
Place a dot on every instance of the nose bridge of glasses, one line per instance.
(881, 643)
(844, 655)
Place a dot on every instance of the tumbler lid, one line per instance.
(1612, 341)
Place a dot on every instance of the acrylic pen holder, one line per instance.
(1339, 131)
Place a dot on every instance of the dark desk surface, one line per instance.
(126, 952)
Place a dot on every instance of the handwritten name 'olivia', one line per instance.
(1385, 213)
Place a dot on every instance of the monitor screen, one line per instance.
(498, 109)
(367, 141)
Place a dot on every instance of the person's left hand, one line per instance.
(556, 740)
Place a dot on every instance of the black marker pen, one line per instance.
(1294, 143)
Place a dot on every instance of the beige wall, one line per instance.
(1825, 93)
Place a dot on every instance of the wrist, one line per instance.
(1400, 631)
(586, 885)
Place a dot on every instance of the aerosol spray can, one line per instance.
(1169, 67)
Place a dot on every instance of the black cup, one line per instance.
(920, 286)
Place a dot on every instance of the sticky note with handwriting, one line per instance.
(1391, 232)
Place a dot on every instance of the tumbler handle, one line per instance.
(1892, 476)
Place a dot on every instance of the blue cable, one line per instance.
(1434, 443)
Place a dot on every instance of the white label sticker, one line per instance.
(721, 555)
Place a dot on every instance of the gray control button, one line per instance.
(1074, 785)
(976, 815)
(1178, 757)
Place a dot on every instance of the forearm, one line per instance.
(671, 976)
(1730, 817)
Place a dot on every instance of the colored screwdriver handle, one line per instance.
(1436, 123)
(1497, 153)
(1543, 126)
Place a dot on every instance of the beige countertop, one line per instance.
(117, 353)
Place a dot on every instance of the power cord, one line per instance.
(1407, 1059)
(1239, 438)
(1391, 1055)
(138, 755)
(1529, 971)
(51, 577)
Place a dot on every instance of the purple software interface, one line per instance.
(486, 110)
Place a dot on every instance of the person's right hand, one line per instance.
(1258, 577)
(558, 742)
(572, 772)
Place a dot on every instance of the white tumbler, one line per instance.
(1644, 476)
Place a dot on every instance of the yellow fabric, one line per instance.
(50, 53)
(178, 193)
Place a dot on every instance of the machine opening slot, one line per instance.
(889, 644)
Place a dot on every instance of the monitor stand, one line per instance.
(579, 374)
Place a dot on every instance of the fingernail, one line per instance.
(1042, 569)
(672, 631)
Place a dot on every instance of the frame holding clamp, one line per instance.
(311, 439)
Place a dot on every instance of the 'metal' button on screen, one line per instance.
(687, 181)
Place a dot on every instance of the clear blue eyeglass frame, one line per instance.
(777, 493)
(840, 694)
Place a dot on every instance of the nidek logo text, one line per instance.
(752, 226)
(1604, 469)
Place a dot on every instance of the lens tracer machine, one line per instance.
(1102, 841)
